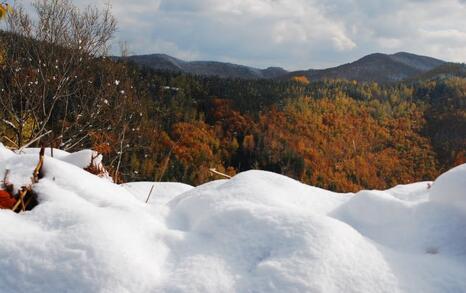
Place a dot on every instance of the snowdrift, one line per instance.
(257, 232)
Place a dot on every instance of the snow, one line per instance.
(450, 188)
(411, 192)
(162, 192)
(257, 232)
(56, 153)
(5, 153)
(82, 159)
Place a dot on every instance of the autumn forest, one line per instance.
(162, 126)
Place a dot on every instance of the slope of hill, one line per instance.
(206, 68)
(376, 67)
(381, 68)
(443, 71)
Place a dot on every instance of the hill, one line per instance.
(376, 67)
(381, 68)
(444, 71)
(339, 135)
(205, 68)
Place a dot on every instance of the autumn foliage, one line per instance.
(161, 126)
(6, 200)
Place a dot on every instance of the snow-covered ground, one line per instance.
(257, 232)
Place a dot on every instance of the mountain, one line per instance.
(378, 67)
(207, 68)
(443, 71)
(382, 68)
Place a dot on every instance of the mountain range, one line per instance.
(378, 67)
(208, 68)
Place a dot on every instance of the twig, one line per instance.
(167, 161)
(120, 155)
(14, 144)
(213, 170)
(150, 192)
(38, 169)
(5, 177)
(20, 201)
(33, 141)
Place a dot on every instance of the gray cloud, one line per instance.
(295, 34)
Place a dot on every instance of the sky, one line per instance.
(294, 34)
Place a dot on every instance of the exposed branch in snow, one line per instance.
(10, 141)
(34, 140)
(214, 171)
(150, 192)
(26, 199)
(115, 176)
(38, 169)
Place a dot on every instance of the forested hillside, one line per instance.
(338, 134)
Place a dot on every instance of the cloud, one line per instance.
(295, 34)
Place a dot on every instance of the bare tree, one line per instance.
(45, 83)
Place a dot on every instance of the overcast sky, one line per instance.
(294, 34)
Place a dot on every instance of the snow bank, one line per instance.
(258, 232)
(82, 159)
(411, 192)
(450, 188)
(162, 192)
(5, 153)
(56, 153)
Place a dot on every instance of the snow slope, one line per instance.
(257, 232)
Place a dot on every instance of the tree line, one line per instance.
(59, 89)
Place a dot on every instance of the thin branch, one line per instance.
(150, 192)
(34, 140)
(214, 171)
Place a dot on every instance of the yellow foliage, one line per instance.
(11, 135)
(2, 55)
(301, 79)
(249, 143)
(5, 9)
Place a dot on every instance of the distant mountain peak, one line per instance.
(378, 67)
(207, 68)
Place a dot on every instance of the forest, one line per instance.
(340, 135)
(60, 90)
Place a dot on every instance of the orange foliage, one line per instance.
(301, 79)
(6, 200)
(343, 146)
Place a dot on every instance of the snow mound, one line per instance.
(82, 159)
(5, 153)
(450, 188)
(411, 192)
(257, 232)
(56, 153)
(270, 233)
(162, 192)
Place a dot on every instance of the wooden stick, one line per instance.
(38, 168)
(20, 201)
(5, 177)
(22, 193)
(213, 170)
(150, 192)
(33, 141)
(16, 206)
(12, 142)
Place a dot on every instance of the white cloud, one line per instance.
(295, 34)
